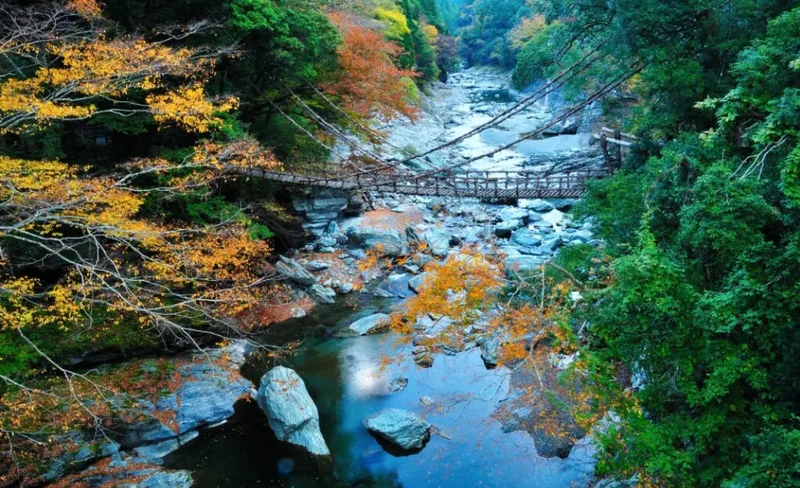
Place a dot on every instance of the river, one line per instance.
(349, 378)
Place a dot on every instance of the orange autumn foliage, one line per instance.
(461, 289)
(194, 268)
(369, 83)
(528, 316)
(86, 8)
(83, 72)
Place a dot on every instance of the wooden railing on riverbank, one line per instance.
(619, 140)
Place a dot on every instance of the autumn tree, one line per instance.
(60, 65)
(369, 82)
(526, 314)
(110, 264)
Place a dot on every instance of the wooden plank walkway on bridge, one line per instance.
(499, 185)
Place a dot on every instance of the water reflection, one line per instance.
(349, 381)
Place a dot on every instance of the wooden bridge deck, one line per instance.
(500, 185)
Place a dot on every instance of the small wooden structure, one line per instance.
(619, 140)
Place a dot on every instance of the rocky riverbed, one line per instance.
(472, 98)
(342, 414)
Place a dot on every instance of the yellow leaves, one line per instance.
(26, 175)
(14, 313)
(88, 9)
(189, 107)
(461, 287)
(35, 185)
(431, 34)
(635, 82)
(526, 30)
(102, 67)
(64, 309)
(94, 72)
(152, 272)
(397, 24)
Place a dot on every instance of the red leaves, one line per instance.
(369, 82)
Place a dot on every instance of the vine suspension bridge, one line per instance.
(453, 180)
(498, 185)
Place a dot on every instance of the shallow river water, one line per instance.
(348, 379)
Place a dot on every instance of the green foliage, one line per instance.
(485, 29)
(450, 12)
(704, 306)
(420, 53)
(538, 56)
(773, 460)
(19, 359)
(616, 203)
(293, 40)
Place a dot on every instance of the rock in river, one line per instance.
(526, 237)
(401, 428)
(370, 324)
(205, 396)
(388, 242)
(490, 351)
(536, 204)
(291, 413)
(321, 294)
(512, 213)
(396, 285)
(506, 227)
(294, 271)
(418, 282)
(398, 384)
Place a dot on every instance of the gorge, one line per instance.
(399, 243)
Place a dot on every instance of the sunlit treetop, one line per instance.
(83, 73)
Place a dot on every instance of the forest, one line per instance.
(138, 231)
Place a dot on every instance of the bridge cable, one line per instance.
(635, 67)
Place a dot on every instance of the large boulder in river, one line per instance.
(208, 387)
(438, 241)
(512, 213)
(526, 238)
(400, 428)
(370, 324)
(417, 283)
(322, 294)
(291, 413)
(127, 471)
(505, 228)
(320, 210)
(537, 204)
(388, 242)
(396, 285)
(568, 126)
(294, 271)
(490, 351)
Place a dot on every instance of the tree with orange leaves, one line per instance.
(109, 266)
(369, 83)
(527, 318)
(60, 65)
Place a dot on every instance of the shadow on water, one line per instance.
(349, 381)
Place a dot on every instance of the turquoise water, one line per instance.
(348, 380)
